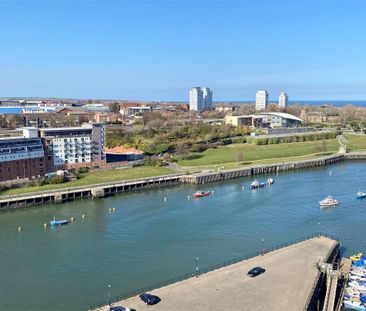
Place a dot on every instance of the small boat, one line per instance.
(55, 222)
(329, 201)
(356, 257)
(361, 195)
(354, 304)
(200, 194)
(270, 181)
(256, 184)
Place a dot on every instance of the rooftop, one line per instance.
(123, 150)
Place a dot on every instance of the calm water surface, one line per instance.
(147, 240)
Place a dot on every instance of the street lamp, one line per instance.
(109, 296)
(262, 251)
(197, 267)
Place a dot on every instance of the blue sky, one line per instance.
(157, 50)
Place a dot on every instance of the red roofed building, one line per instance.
(121, 154)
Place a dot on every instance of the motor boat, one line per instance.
(256, 184)
(200, 194)
(329, 201)
(270, 181)
(361, 195)
(356, 257)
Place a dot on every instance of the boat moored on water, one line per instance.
(361, 195)
(328, 202)
(200, 194)
(270, 181)
(55, 222)
(257, 184)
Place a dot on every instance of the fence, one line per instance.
(208, 269)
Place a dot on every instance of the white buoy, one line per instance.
(212, 192)
(165, 199)
(189, 197)
(242, 187)
(72, 219)
(19, 229)
(45, 225)
(83, 216)
(114, 209)
(109, 210)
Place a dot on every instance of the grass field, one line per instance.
(229, 154)
(97, 178)
(355, 142)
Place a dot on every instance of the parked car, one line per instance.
(119, 308)
(256, 271)
(149, 299)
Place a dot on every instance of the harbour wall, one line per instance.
(110, 189)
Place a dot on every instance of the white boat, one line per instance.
(328, 201)
(256, 184)
(354, 304)
(270, 181)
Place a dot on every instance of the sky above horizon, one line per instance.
(158, 50)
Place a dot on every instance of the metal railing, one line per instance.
(226, 263)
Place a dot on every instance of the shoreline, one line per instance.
(112, 188)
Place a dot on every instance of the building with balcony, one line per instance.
(73, 147)
(21, 157)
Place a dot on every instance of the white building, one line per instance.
(207, 97)
(74, 146)
(283, 100)
(196, 99)
(261, 100)
(200, 98)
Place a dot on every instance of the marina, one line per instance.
(114, 240)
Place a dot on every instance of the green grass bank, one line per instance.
(97, 178)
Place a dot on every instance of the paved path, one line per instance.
(286, 284)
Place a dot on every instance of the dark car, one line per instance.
(256, 271)
(119, 308)
(149, 299)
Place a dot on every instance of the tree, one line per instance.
(182, 148)
(114, 107)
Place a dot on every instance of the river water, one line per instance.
(147, 240)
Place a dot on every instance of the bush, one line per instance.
(239, 140)
(227, 141)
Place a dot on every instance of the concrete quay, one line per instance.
(92, 191)
(202, 178)
(292, 281)
(109, 189)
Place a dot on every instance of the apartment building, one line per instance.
(73, 147)
(21, 157)
(200, 98)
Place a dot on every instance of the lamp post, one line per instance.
(262, 251)
(109, 296)
(197, 267)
